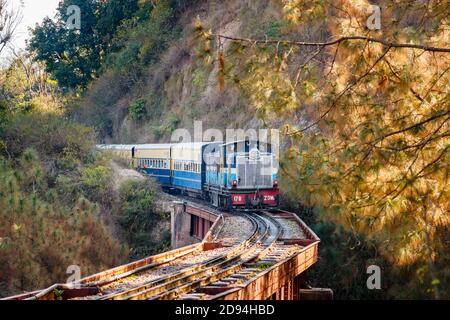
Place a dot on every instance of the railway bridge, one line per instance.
(254, 255)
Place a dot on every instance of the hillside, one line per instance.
(176, 88)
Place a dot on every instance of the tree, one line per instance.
(365, 118)
(9, 20)
(74, 56)
(26, 85)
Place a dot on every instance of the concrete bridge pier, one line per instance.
(188, 225)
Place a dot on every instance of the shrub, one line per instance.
(96, 182)
(40, 236)
(137, 110)
(140, 217)
(50, 134)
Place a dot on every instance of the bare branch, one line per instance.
(9, 21)
(333, 42)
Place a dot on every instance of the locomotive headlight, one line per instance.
(253, 154)
(234, 182)
(275, 183)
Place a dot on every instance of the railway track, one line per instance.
(239, 247)
(220, 263)
(267, 232)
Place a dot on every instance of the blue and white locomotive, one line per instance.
(240, 174)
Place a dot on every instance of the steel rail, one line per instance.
(189, 273)
(227, 268)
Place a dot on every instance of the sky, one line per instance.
(33, 11)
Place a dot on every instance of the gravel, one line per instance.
(291, 229)
(235, 230)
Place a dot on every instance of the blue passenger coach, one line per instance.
(187, 163)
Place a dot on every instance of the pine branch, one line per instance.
(333, 42)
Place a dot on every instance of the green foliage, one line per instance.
(199, 77)
(142, 43)
(74, 57)
(96, 183)
(46, 224)
(41, 236)
(53, 137)
(274, 29)
(26, 87)
(58, 294)
(263, 266)
(140, 217)
(137, 47)
(137, 109)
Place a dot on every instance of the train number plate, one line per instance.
(239, 198)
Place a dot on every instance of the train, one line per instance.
(230, 175)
